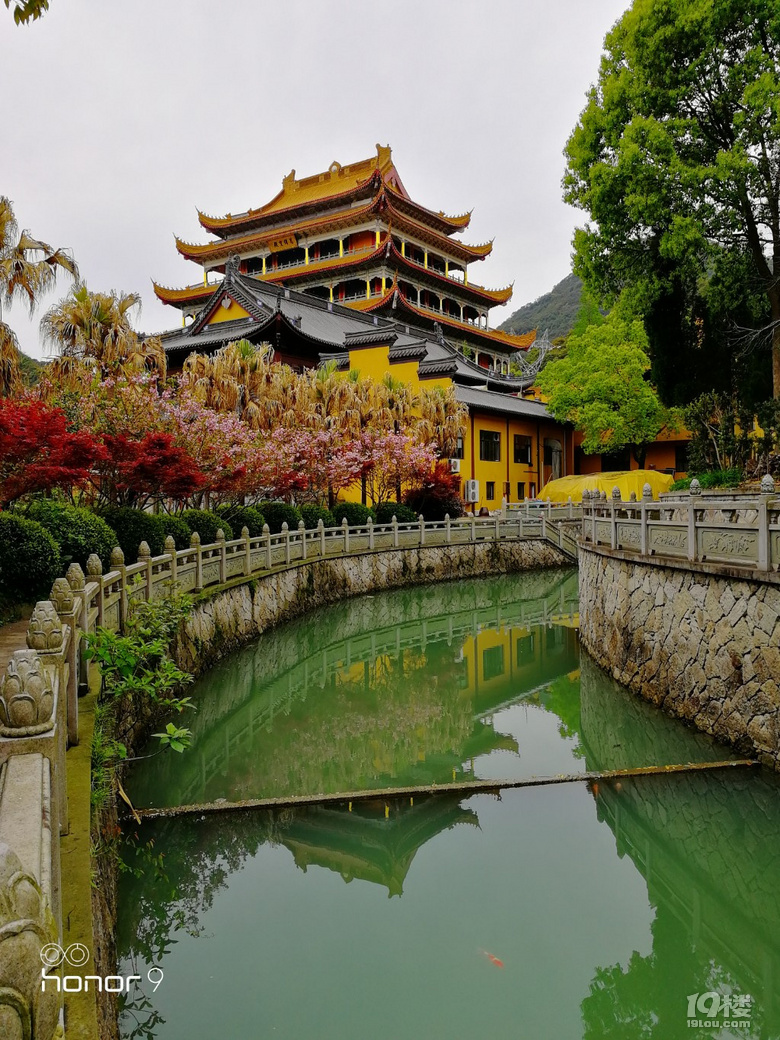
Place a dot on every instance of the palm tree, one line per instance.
(442, 418)
(95, 329)
(28, 269)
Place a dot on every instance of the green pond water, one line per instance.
(584, 910)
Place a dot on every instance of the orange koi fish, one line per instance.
(493, 960)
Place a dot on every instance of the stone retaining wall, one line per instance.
(698, 641)
(223, 621)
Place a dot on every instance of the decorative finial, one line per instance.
(117, 557)
(75, 576)
(26, 697)
(647, 491)
(144, 552)
(45, 629)
(61, 596)
(767, 485)
(695, 488)
(94, 566)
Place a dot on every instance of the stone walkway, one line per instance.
(12, 637)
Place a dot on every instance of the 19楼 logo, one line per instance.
(77, 955)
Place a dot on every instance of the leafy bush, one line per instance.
(278, 513)
(179, 529)
(206, 524)
(243, 516)
(313, 514)
(29, 557)
(133, 526)
(438, 495)
(716, 478)
(356, 514)
(77, 532)
(385, 512)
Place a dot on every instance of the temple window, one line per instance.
(489, 446)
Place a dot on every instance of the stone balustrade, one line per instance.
(732, 531)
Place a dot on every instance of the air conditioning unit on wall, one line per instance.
(454, 465)
(472, 491)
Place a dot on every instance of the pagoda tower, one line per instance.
(353, 236)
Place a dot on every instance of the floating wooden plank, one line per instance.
(466, 787)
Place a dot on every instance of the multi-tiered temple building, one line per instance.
(352, 235)
(344, 267)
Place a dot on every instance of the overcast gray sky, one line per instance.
(120, 119)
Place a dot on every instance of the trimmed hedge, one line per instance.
(206, 524)
(133, 526)
(278, 513)
(177, 528)
(77, 532)
(29, 557)
(385, 512)
(356, 514)
(313, 514)
(243, 516)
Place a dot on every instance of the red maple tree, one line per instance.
(39, 453)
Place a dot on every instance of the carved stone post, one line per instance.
(764, 547)
(95, 575)
(247, 551)
(615, 503)
(47, 639)
(695, 492)
(421, 523)
(117, 563)
(647, 498)
(302, 536)
(267, 536)
(62, 599)
(345, 533)
(195, 544)
(75, 576)
(370, 533)
(321, 533)
(394, 525)
(145, 556)
(448, 529)
(222, 556)
(170, 549)
(286, 538)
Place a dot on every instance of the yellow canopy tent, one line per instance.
(563, 488)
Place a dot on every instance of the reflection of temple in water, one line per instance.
(700, 843)
(409, 686)
(367, 845)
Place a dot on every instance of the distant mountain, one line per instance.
(555, 311)
(31, 369)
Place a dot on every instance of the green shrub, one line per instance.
(313, 514)
(433, 505)
(355, 513)
(278, 513)
(77, 532)
(716, 478)
(385, 512)
(243, 516)
(206, 524)
(133, 526)
(176, 527)
(29, 557)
